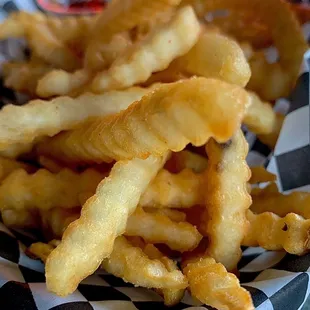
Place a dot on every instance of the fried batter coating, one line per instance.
(158, 228)
(44, 190)
(181, 190)
(152, 54)
(272, 232)
(38, 118)
(226, 199)
(88, 240)
(163, 119)
(132, 265)
(210, 283)
(121, 16)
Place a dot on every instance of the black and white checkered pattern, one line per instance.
(276, 280)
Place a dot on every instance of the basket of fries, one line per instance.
(161, 158)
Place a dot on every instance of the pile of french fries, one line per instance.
(99, 161)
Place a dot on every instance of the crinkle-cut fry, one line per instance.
(173, 214)
(216, 56)
(88, 240)
(64, 28)
(159, 228)
(60, 82)
(156, 123)
(280, 204)
(271, 138)
(20, 219)
(226, 199)
(272, 232)
(270, 81)
(152, 54)
(213, 285)
(171, 296)
(133, 265)
(45, 190)
(121, 16)
(259, 174)
(23, 76)
(50, 164)
(15, 150)
(22, 124)
(7, 166)
(186, 160)
(107, 52)
(244, 26)
(181, 190)
(40, 250)
(51, 49)
(53, 222)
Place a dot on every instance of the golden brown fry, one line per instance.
(181, 190)
(121, 16)
(186, 160)
(270, 81)
(22, 124)
(7, 166)
(44, 190)
(131, 264)
(156, 123)
(217, 56)
(171, 296)
(280, 204)
(173, 214)
(260, 174)
(226, 199)
(272, 232)
(24, 76)
(20, 219)
(40, 250)
(53, 222)
(60, 83)
(50, 48)
(103, 217)
(159, 228)
(152, 54)
(50, 164)
(210, 283)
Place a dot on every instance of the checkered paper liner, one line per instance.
(276, 280)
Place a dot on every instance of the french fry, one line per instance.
(20, 219)
(181, 190)
(158, 228)
(15, 150)
(213, 285)
(228, 63)
(24, 76)
(131, 264)
(260, 174)
(38, 118)
(152, 54)
(103, 217)
(61, 83)
(50, 164)
(44, 190)
(272, 232)
(226, 199)
(7, 166)
(173, 214)
(171, 296)
(40, 250)
(156, 123)
(187, 160)
(280, 204)
(121, 16)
